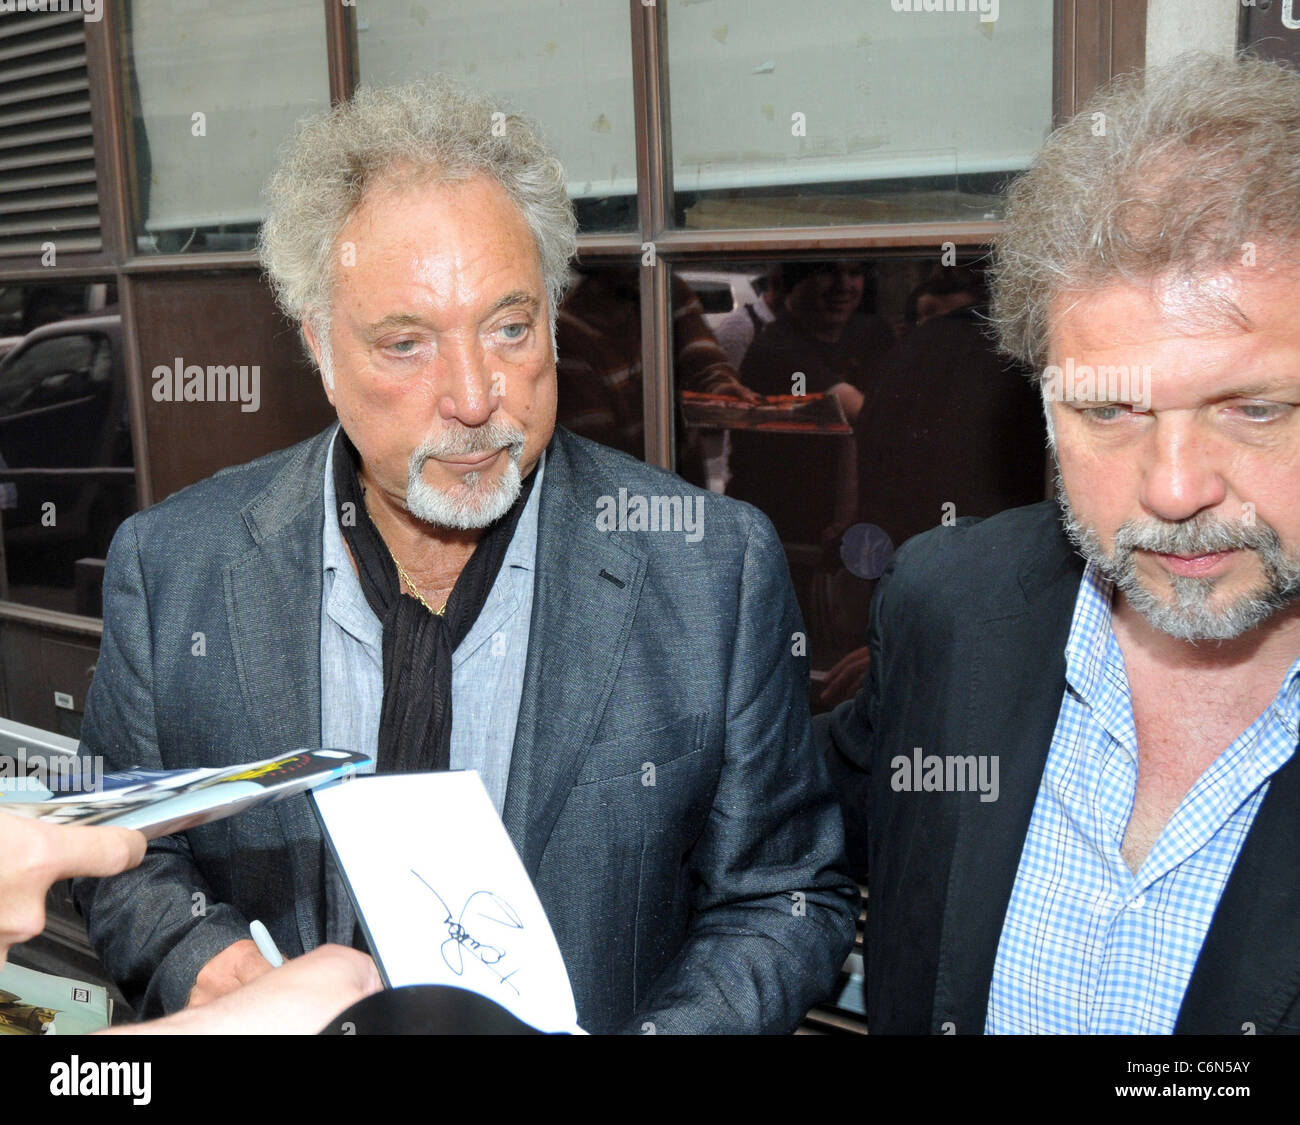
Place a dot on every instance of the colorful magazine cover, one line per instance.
(788, 414)
(33, 1003)
(160, 802)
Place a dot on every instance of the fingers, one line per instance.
(21, 919)
(837, 677)
(355, 970)
(845, 678)
(299, 998)
(832, 691)
(94, 852)
(232, 968)
(733, 388)
(37, 855)
(843, 662)
(251, 966)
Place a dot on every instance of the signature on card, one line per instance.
(483, 910)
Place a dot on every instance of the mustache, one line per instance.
(468, 441)
(1197, 536)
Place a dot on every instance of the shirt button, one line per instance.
(1137, 902)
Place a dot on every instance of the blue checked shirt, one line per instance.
(1087, 946)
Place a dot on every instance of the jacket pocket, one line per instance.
(637, 751)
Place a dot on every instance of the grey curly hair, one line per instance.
(434, 126)
(1167, 179)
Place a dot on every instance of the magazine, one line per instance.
(788, 414)
(33, 1003)
(160, 802)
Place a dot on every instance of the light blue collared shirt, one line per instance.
(1088, 946)
(487, 668)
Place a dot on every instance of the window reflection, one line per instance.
(886, 412)
(598, 333)
(66, 475)
(825, 339)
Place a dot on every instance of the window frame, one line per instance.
(1093, 40)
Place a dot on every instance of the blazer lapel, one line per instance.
(1248, 973)
(273, 597)
(1013, 698)
(588, 584)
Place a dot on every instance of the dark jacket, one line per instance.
(712, 900)
(967, 644)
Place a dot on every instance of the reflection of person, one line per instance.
(598, 338)
(823, 335)
(947, 289)
(953, 430)
(1110, 694)
(373, 588)
(736, 330)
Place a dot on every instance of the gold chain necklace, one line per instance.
(419, 597)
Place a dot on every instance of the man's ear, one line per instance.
(314, 343)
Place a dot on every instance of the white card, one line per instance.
(443, 893)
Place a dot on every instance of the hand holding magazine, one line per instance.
(160, 802)
(435, 880)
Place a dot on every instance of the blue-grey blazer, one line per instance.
(713, 900)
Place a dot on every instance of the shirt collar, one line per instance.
(334, 554)
(1287, 703)
(1088, 646)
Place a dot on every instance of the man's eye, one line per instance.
(402, 347)
(1108, 413)
(1261, 411)
(515, 332)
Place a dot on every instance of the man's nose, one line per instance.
(467, 389)
(1181, 476)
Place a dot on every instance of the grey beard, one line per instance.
(1189, 616)
(472, 503)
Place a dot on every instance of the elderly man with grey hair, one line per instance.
(1074, 760)
(439, 581)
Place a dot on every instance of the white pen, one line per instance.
(265, 943)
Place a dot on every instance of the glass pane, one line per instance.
(598, 342)
(1268, 30)
(565, 63)
(839, 111)
(66, 468)
(886, 412)
(213, 91)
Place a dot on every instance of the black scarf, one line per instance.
(415, 718)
